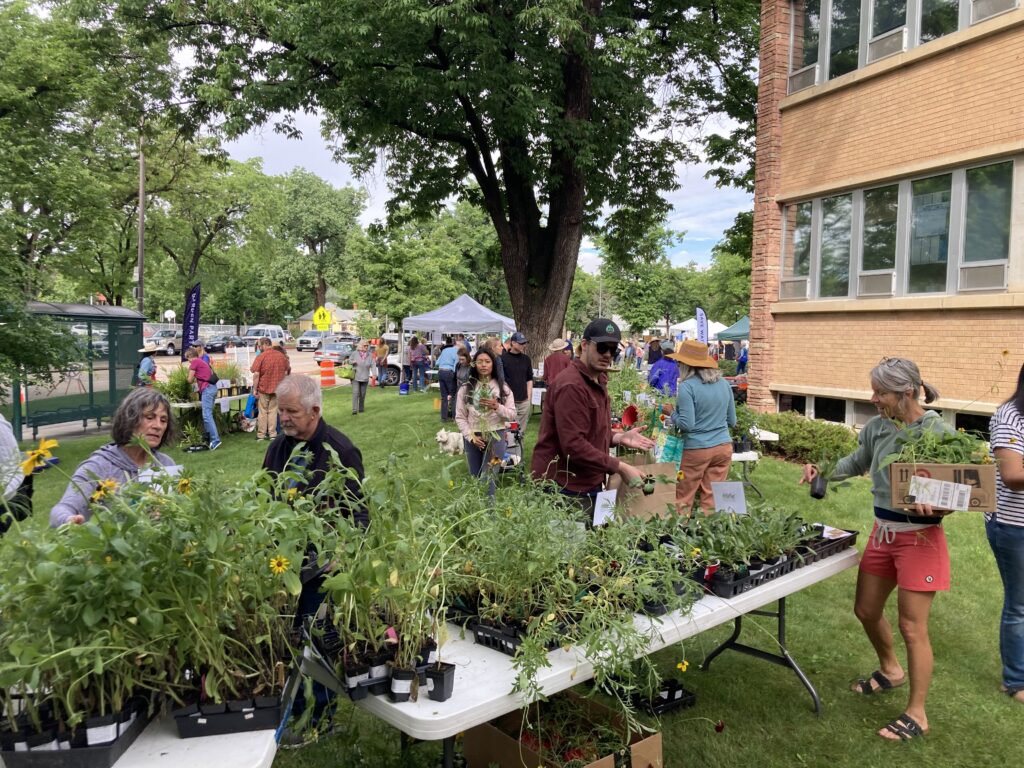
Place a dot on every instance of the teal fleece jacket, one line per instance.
(877, 440)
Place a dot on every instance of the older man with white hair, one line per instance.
(309, 446)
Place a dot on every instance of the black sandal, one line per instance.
(906, 727)
(884, 683)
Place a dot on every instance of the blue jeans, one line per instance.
(478, 460)
(419, 377)
(448, 391)
(208, 396)
(1007, 542)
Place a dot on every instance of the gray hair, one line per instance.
(706, 375)
(307, 390)
(899, 375)
(135, 405)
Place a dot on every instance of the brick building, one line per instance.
(889, 202)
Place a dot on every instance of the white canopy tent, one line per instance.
(463, 315)
(689, 328)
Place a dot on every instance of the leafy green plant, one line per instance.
(192, 434)
(746, 420)
(228, 371)
(802, 439)
(727, 367)
(177, 387)
(927, 446)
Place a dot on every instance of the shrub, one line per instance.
(803, 440)
(727, 367)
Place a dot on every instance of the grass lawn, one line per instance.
(768, 715)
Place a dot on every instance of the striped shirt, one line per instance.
(1007, 431)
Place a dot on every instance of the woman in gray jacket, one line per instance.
(144, 413)
(363, 363)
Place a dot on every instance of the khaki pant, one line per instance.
(700, 468)
(266, 422)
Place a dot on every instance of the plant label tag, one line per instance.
(537, 397)
(430, 684)
(224, 405)
(604, 507)
(401, 686)
(939, 493)
(101, 734)
(249, 715)
(729, 497)
(627, 396)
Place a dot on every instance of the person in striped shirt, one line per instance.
(1005, 530)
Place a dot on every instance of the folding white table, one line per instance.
(484, 677)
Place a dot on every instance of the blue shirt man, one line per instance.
(447, 362)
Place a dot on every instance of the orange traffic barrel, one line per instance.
(327, 373)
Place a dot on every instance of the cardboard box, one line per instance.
(633, 499)
(493, 743)
(981, 478)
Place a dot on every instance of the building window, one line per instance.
(973, 422)
(881, 206)
(844, 37)
(816, 57)
(987, 223)
(929, 234)
(795, 403)
(945, 233)
(888, 15)
(830, 409)
(939, 18)
(834, 277)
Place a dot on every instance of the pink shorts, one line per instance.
(916, 560)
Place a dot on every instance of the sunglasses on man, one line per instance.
(606, 347)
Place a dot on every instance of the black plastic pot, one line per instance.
(649, 485)
(401, 684)
(819, 486)
(377, 683)
(440, 681)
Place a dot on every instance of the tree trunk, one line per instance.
(319, 292)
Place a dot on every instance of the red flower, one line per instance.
(720, 726)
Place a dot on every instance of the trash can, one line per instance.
(403, 388)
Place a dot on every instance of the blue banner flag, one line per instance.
(702, 326)
(190, 321)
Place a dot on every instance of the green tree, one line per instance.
(318, 219)
(547, 113)
(641, 278)
(583, 301)
(727, 293)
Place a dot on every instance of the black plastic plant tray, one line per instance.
(250, 719)
(671, 697)
(504, 639)
(828, 547)
(103, 756)
(732, 587)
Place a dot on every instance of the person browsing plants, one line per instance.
(906, 552)
(268, 369)
(201, 374)
(575, 426)
(142, 423)
(481, 409)
(703, 413)
(1005, 530)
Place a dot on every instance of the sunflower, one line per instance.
(103, 489)
(38, 456)
(279, 564)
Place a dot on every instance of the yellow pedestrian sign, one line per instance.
(322, 319)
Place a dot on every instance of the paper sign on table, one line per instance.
(604, 507)
(538, 394)
(939, 493)
(224, 405)
(627, 396)
(729, 497)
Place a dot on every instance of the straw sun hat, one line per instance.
(694, 353)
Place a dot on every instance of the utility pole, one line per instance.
(139, 266)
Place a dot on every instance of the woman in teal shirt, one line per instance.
(704, 413)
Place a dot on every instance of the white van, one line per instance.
(256, 332)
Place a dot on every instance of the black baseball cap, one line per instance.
(602, 329)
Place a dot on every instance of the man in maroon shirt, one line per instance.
(559, 359)
(576, 428)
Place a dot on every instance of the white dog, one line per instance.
(449, 442)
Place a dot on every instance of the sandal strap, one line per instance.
(905, 727)
(884, 683)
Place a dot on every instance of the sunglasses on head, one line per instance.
(606, 347)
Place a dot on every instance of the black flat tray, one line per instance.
(83, 757)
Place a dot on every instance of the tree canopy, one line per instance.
(556, 117)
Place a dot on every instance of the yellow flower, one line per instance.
(451, 483)
(38, 456)
(695, 553)
(108, 559)
(292, 493)
(103, 489)
(185, 485)
(279, 564)
(683, 665)
(680, 475)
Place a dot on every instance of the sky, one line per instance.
(700, 209)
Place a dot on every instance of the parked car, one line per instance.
(256, 332)
(222, 342)
(335, 351)
(313, 340)
(168, 340)
(100, 343)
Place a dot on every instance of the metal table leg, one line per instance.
(782, 659)
(747, 483)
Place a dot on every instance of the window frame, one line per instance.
(900, 272)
